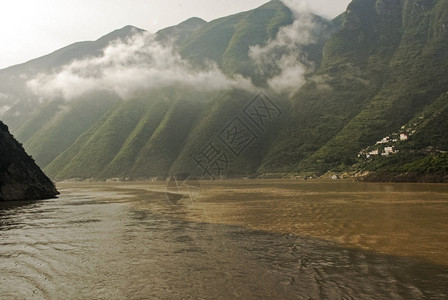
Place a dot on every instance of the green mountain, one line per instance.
(386, 65)
(22, 103)
(61, 124)
(377, 70)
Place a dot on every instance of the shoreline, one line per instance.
(378, 177)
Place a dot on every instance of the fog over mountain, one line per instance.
(141, 61)
(137, 105)
(126, 66)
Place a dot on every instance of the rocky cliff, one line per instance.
(20, 177)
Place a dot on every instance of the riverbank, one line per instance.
(359, 176)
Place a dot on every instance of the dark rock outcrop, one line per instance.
(20, 177)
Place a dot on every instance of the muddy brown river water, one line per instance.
(244, 239)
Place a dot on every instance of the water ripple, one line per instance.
(80, 247)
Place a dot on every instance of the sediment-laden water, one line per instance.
(254, 239)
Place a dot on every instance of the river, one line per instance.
(232, 239)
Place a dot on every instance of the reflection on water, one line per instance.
(248, 240)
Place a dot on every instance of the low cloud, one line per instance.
(127, 66)
(4, 104)
(322, 82)
(282, 58)
(143, 63)
(4, 109)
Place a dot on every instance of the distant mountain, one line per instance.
(377, 70)
(13, 80)
(20, 177)
(182, 32)
(387, 65)
(119, 139)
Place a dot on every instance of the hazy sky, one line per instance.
(32, 28)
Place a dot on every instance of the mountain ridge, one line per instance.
(367, 73)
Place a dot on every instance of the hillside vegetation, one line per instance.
(378, 70)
